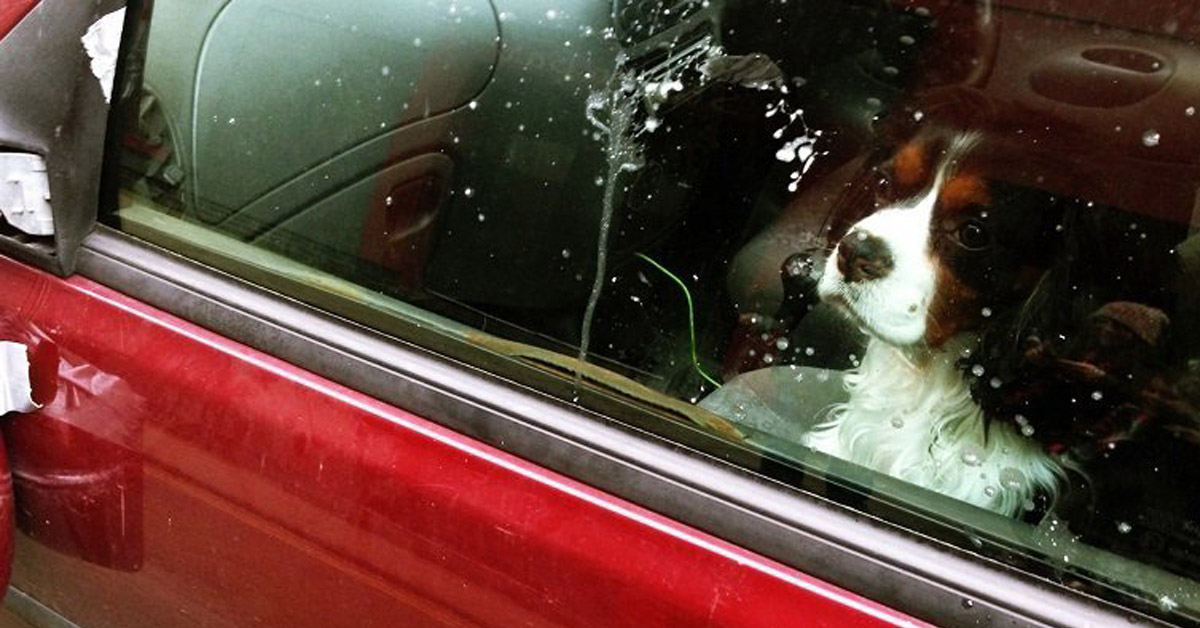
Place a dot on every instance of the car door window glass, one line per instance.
(937, 257)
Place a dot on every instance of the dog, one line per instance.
(948, 250)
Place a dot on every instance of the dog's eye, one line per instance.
(973, 235)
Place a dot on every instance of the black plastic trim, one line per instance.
(53, 106)
(927, 579)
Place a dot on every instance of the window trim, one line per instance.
(916, 575)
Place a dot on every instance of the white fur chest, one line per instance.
(916, 421)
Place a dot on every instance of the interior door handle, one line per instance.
(1101, 76)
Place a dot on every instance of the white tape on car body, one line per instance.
(102, 41)
(16, 393)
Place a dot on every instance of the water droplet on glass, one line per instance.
(468, 192)
(481, 217)
(990, 491)
(385, 70)
(897, 422)
(1190, 111)
(599, 181)
(768, 358)
(907, 40)
(417, 42)
(781, 344)
(995, 382)
(1027, 430)
(1167, 604)
(986, 312)
(809, 351)
(389, 201)
(566, 253)
(1011, 478)
(971, 456)
(966, 603)
(977, 370)
(551, 14)
(473, 105)
(233, 121)
(1124, 527)
(1097, 395)
(1151, 138)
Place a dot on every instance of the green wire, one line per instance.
(687, 294)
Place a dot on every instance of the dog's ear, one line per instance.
(1031, 373)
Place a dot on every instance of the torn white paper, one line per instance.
(102, 41)
(25, 193)
(15, 390)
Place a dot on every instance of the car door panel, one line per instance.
(271, 496)
(241, 428)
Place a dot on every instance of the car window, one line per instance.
(935, 260)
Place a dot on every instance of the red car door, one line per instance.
(180, 478)
(303, 360)
(175, 477)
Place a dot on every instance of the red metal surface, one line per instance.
(269, 496)
(6, 519)
(11, 12)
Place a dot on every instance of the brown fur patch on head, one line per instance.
(962, 191)
(910, 167)
(954, 309)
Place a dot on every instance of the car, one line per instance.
(486, 312)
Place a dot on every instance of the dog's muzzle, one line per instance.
(864, 257)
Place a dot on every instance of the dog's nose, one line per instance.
(863, 257)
